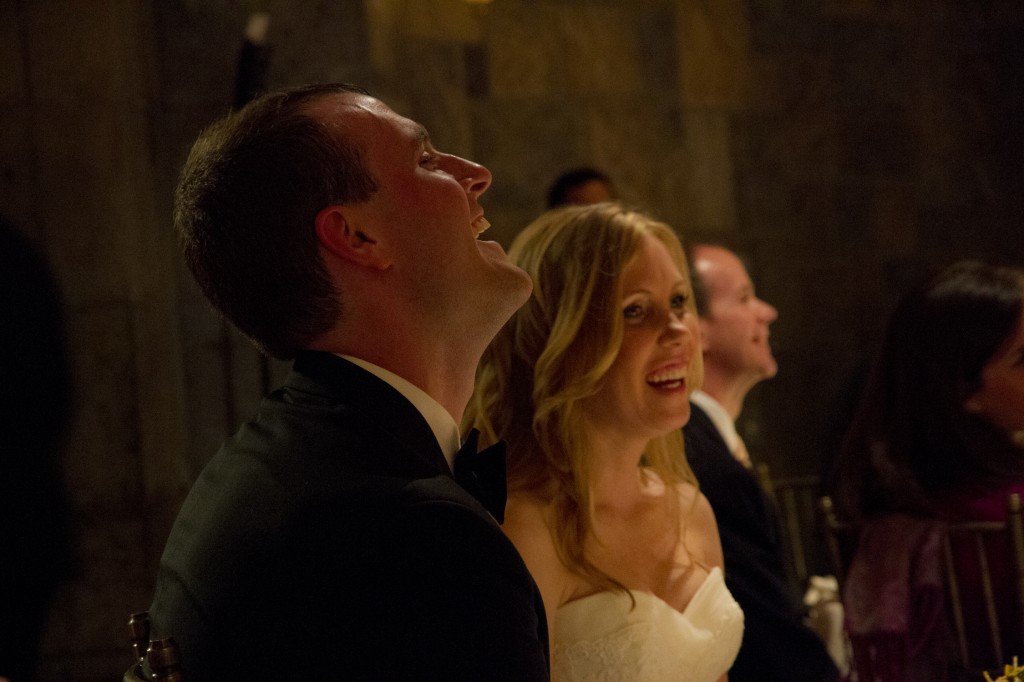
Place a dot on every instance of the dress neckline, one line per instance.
(713, 578)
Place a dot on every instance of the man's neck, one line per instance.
(433, 345)
(730, 394)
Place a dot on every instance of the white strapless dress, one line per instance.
(600, 639)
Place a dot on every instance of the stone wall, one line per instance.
(76, 103)
(842, 146)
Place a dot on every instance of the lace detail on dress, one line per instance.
(599, 639)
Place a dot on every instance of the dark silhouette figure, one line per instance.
(34, 518)
(579, 186)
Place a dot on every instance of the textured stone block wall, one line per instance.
(78, 178)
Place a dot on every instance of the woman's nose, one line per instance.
(676, 330)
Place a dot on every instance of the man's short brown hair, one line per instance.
(245, 208)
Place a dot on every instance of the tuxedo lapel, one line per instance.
(374, 406)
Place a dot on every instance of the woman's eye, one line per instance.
(679, 301)
(633, 312)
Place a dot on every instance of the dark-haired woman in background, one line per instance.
(938, 437)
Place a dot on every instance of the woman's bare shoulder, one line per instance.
(688, 494)
(698, 518)
(529, 524)
(526, 517)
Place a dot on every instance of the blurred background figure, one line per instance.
(737, 356)
(34, 519)
(253, 60)
(937, 436)
(582, 185)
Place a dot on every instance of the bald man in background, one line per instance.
(734, 334)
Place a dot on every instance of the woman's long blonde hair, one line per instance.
(555, 352)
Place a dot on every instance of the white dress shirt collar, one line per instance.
(719, 417)
(441, 423)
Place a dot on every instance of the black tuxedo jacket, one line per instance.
(776, 643)
(327, 540)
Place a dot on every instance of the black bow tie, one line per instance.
(482, 474)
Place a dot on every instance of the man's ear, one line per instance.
(702, 326)
(339, 235)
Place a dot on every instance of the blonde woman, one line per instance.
(589, 384)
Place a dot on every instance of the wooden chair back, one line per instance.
(979, 546)
(971, 550)
(794, 498)
(840, 540)
(162, 655)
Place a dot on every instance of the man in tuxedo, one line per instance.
(734, 336)
(329, 538)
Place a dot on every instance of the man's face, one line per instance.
(735, 332)
(590, 192)
(425, 214)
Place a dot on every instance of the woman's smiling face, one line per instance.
(1000, 399)
(646, 391)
